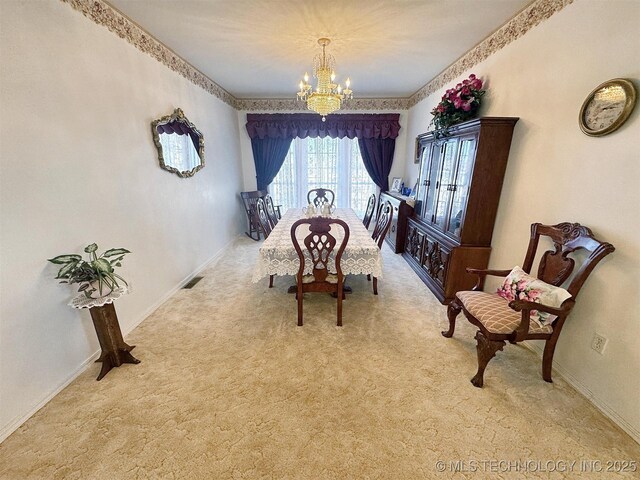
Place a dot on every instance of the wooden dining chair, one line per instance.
(250, 199)
(371, 206)
(320, 196)
(500, 319)
(264, 224)
(263, 218)
(383, 222)
(271, 211)
(319, 245)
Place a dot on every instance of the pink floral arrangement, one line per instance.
(519, 285)
(457, 105)
(520, 290)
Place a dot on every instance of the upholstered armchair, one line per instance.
(499, 319)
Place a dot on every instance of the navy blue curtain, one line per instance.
(377, 155)
(268, 157)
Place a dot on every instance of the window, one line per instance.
(330, 163)
(179, 151)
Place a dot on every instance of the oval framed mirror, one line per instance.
(180, 144)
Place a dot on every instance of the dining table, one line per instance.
(278, 256)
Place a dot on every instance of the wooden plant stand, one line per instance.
(114, 351)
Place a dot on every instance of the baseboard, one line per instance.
(214, 258)
(15, 424)
(608, 412)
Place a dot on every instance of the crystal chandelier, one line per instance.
(328, 96)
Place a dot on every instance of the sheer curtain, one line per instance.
(179, 151)
(323, 162)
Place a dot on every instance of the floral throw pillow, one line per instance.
(519, 285)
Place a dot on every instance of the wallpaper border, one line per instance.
(521, 23)
(104, 14)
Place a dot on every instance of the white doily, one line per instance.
(278, 256)
(82, 301)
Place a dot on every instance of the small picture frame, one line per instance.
(396, 184)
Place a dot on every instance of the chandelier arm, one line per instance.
(328, 97)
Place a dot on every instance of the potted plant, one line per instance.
(96, 275)
(457, 105)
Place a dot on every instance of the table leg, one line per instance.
(115, 351)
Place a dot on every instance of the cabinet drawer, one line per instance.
(415, 243)
(392, 233)
(397, 232)
(393, 229)
(435, 259)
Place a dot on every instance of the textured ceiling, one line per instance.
(260, 49)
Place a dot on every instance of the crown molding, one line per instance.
(292, 104)
(104, 14)
(521, 23)
(100, 12)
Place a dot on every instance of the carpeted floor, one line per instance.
(230, 388)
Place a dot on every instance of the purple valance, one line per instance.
(302, 125)
(180, 128)
(174, 127)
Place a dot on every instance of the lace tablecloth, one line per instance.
(278, 256)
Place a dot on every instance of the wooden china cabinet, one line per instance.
(458, 193)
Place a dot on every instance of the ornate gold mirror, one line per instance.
(180, 144)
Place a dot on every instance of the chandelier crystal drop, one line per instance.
(328, 96)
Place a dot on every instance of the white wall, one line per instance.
(556, 173)
(249, 169)
(79, 166)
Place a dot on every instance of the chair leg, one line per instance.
(299, 297)
(375, 285)
(487, 349)
(270, 281)
(340, 295)
(453, 310)
(547, 358)
(368, 277)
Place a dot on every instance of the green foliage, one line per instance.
(97, 269)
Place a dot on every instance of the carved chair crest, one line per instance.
(385, 215)
(320, 243)
(320, 196)
(555, 265)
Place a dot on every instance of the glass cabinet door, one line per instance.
(460, 188)
(430, 183)
(423, 183)
(448, 153)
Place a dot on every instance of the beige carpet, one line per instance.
(230, 388)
